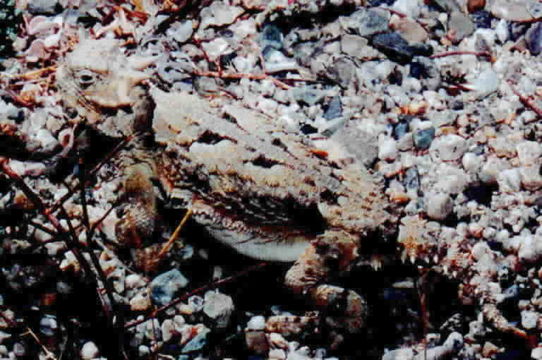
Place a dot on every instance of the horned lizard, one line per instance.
(253, 184)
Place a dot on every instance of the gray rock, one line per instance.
(181, 31)
(271, 36)
(308, 95)
(533, 37)
(353, 45)
(372, 22)
(43, 7)
(529, 319)
(218, 307)
(48, 325)
(394, 47)
(460, 25)
(448, 147)
(439, 205)
(334, 109)
(166, 285)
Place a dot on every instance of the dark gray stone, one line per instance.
(534, 39)
(165, 286)
(334, 108)
(424, 138)
(394, 47)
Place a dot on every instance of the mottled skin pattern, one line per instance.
(249, 181)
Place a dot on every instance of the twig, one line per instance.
(525, 100)
(175, 234)
(48, 354)
(197, 291)
(454, 53)
(31, 74)
(237, 76)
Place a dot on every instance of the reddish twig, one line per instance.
(525, 100)
(196, 291)
(454, 53)
(238, 76)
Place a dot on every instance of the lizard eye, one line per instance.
(86, 78)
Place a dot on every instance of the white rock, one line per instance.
(218, 307)
(277, 354)
(529, 152)
(536, 353)
(168, 329)
(140, 302)
(486, 83)
(491, 169)
(256, 323)
(387, 149)
(215, 48)
(530, 177)
(529, 319)
(181, 32)
(134, 281)
(509, 180)
(353, 45)
(471, 162)
(438, 206)
(409, 7)
(219, 13)
(448, 147)
(89, 351)
(399, 354)
(501, 30)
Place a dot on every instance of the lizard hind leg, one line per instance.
(342, 310)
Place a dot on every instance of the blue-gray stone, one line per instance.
(412, 179)
(424, 138)
(271, 36)
(334, 108)
(534, 39)
(372, 22)
(394, 47)
(165, 286)
(197, 342)
(308, 95)
(400, 129)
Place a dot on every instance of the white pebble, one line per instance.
(528, 152)
(256, 323)
(89, 351)
(387, 149)
(509, 180)
(529, 319)
(448, 147)
(439, 206)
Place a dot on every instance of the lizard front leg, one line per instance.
(342, 310)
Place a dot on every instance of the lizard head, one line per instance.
(101, 87)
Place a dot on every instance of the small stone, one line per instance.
(218, 307)
(529, 319)
(529, 152)
(531, 179)
(48, 325)
(276, 61)
(181, 31)
(353, 45)
(256, 323)
(412, 179)
(197, 342)
(481, 19)
(424, 138)
(399, 354)
(515, 10)
(439, 205)
(424, 68)
(19, 350)
(308, 95)
(387, 149)
(409, 29)
(372, 22)
(509, 181)
(140, 302)
(166, 285)
(277, 354)
(168, 330)
(536, 353)
(89, 351)
(271, 36)
(486, 83)
(460, 26)
(216, 48)
(43, 7)
(219, 13)
(394, 47)
(133, 281)
(334, 109)
(475, 5)
(448, 147)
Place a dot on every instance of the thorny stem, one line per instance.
(197, 291)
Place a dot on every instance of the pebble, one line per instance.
(529, 152)
(256, 323)
(531, 179)
(439, 205)
(140, 302)
(198, 342)
(218, 307)
(371, 22)
(181, 31)
(423, 138)
(387, 149)
(168, 329)
(43, 7)
(486, 83)
(276, 61)
(271, 36)
(536, 353)
(529, 319)
(165, 286)
(353, 45)
(216, 48)
(399, 354)
(394, 47)
(523, 10)
(409, 29)
(48, 325)
(334, 109)
(509, 181)
(448, 147)
(460, 26)
(89, 351)
(219, 13)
